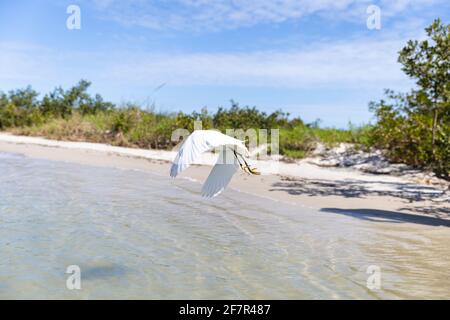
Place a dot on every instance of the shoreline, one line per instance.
(301, 184)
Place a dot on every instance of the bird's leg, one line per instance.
(249, 169)
(237, 158)
(246, 168)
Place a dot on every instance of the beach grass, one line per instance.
(76, 116)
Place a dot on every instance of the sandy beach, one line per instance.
(301, 184)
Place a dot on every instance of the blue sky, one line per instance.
(312, 58)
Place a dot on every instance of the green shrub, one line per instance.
(297, 142)
(414, 128)
(74, 115)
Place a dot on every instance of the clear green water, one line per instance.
(137, 235)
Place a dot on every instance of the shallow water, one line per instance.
(137, 235)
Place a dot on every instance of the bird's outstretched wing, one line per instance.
(199, 142)
(221, 173)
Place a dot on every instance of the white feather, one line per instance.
(221, 174)
(201, 141)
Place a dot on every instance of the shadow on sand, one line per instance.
(388, 216)
(361, 189)
(355, 189)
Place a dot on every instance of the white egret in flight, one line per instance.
(231, 157)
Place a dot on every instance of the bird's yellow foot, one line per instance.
(253, 171)
(249, 170)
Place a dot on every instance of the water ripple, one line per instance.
(137, 235)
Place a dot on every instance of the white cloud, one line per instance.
(19, 62)
(213, 15)
(347, 64)
(352, 64)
